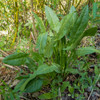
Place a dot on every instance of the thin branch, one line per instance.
(78, 4)
(33, 38)
(4, 53)
(1, 58)
(59, 93)
(9, 66)
(63, 6)
(34, 28)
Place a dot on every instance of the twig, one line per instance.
(62, 6)
(33, 38)
(0, 97)
(92, 88)
(78, 4)
(59, 93)
(17, 68)
(1, 58)
(4, 53)
(22, 97)
(11, 67)
(34, 28)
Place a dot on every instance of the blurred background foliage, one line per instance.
(15, 15)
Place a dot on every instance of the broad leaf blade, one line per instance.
(86, 50)
(94, 10)
(46, 96)
(40, 22)
(52, 19)
(31, 64)
(66, 25)
(90, 32)
(37, 57)
(17, 87)
(41, 42)
(73, 10)
(16, 59)
(49, 50)
(33, 86)
(44, 69)
(77, 32)
(80, 24)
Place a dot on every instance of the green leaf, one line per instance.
(71, 89)
(73, 10)
(77, 33)
(97, 70)
(72, 71)
(40, 22)
(37, 57)
(43, 69)
(11, 96)
(86, 50)
(66, 25)
(94, 10)
(64, 86)
(31, 64)
(80, 25)
(90, 32)
(17, 87)
(46, 96)
(23, 77)
(33, 86)
(52, 19)
(49, 50)
(16, 59)
(41, 42)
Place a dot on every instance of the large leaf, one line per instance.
(49, 49)
(37, 57)
(90, 32)
(16, 59)
(31, 64)
(73, 10)
(43, 69)
(77, 32)
(41, 42)
(86, 50)
(17, 87)
(52, 19)
(66, 25)
(33, 86)
(80, 25)
(94, 10)
(40, 22)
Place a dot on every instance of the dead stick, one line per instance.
(11, 67)
(35, 33)
(4, 53)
